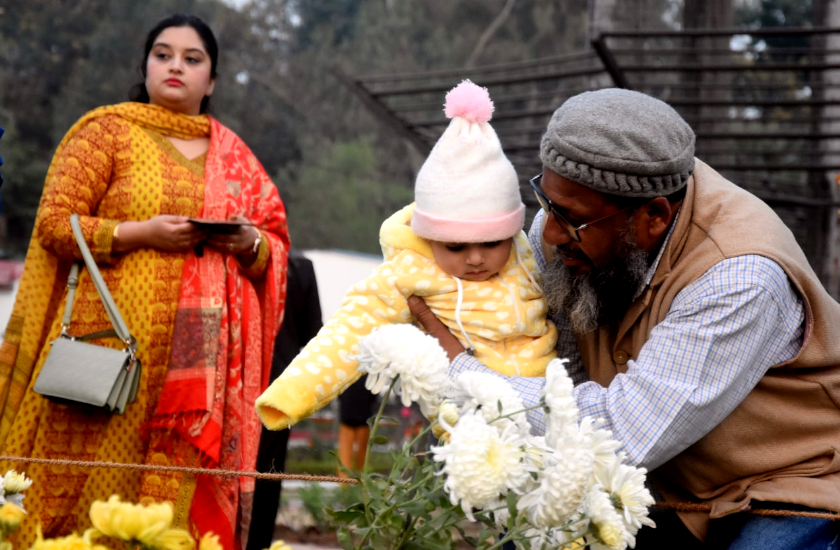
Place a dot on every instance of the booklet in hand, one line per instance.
(218, 226)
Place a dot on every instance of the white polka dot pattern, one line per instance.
(512, 339)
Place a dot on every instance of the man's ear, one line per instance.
(652, 221)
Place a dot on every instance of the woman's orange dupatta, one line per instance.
(223, 341)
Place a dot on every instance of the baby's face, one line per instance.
(472, 261)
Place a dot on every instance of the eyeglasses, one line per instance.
(569, 227)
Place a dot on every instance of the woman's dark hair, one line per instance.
(138, 92)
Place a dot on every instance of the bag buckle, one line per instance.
(131, 350)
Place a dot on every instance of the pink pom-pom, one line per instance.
(469, 101)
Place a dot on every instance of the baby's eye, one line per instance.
(161, 55)
(455, 247)
(492, 244)
(193, 60)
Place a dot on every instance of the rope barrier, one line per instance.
(187, 470)
(677, 506)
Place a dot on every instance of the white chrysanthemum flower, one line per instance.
(562, 483)
(501, 514)
(485, 394)
(533, 538)
(14, 482)
(601, 442)
(405, 351)
(626, 487)
(557, 394)
(481, 463)
(609, 527)
(567, 537)
(16, 499)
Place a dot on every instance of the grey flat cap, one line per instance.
(620, 142)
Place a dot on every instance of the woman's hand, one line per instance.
(434, 327)
(239, 242)
(164, 232)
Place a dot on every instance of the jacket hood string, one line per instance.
(514, 297)
(471, 349)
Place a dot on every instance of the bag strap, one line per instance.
(120, 328)
(72, 283)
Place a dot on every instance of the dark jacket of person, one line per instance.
(301, 322)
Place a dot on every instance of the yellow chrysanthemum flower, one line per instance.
(71, 542)
(10, 517)
(447, 416)
(279, 545)
(449, 413)
(128, 522)
(171, 539)
(210, 541)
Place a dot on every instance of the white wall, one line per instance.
(336, 271)
(7, 300)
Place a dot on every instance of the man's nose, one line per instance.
(554, 233)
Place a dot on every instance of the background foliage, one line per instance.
(339, 171)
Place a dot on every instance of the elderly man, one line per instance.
(696, 327)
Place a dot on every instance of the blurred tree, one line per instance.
(777, 13)
(90, 55)
(275, 88)
(341, 192)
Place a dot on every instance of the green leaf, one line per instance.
(417, 508)
(347, 516)
(511, 504)
(388, 420)
(345, 540)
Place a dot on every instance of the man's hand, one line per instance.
(435, 327)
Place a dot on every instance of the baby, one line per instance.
(461, 248)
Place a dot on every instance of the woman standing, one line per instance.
(204, 307)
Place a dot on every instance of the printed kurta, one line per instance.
(116, 165)
(504, 318)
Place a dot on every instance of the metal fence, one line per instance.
(765, 105)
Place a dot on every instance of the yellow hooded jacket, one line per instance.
(503, 319)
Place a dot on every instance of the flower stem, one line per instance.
(407, 531)
(371, 520)
(376, 420)
(510, 414)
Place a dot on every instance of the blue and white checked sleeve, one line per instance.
(722, 334)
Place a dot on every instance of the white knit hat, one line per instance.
(467, 190)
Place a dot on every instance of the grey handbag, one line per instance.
(77, 372)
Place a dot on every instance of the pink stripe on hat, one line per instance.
(467, 191)
(477, 230)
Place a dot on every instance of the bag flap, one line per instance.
(80, 372)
